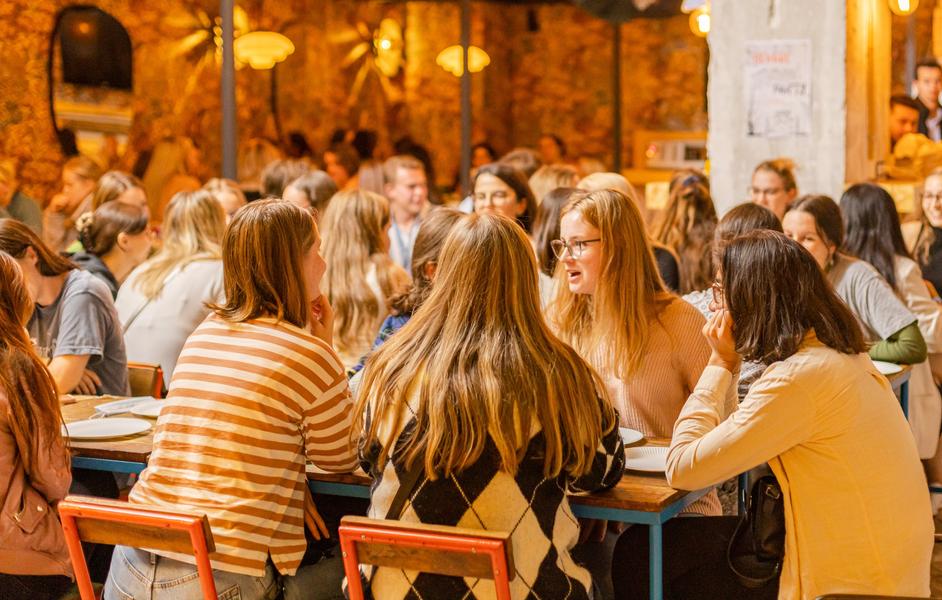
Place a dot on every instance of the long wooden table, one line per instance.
(638, 498)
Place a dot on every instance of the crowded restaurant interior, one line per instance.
(470, 299)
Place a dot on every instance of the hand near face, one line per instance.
(718, 332)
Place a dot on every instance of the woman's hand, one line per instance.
(322, 319)
(312, 518)
(718, 332)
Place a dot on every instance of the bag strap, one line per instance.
(406, 486)
(747, 580)
(127, 324)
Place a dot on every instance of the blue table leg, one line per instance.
(656, 561)
(904, 398)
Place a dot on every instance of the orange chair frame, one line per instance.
(76, 511)
(360, 530)
(158, 390)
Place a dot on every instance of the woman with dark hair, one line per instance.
(503, 190)
(342, 163)
(816, 223)
(116, 238)
(34, 460)
(686, 227)
(857, 511)
(873, 235)
(545, 230)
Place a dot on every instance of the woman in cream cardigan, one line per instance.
(857, 514)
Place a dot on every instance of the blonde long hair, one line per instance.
(354, 233)
(192, 230)
(480, 360)
(687, 226)
(611, 327)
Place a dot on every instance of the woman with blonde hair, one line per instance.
(256, 394)
(79, 177)
(476, 394)
(613, 307)
(165, 298)
(686, 227)
(924, 236)
(120, 186)
(549, 177)
(227, 193)
(34, 459)
(360, 276)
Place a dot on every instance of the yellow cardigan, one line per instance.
(857, 511)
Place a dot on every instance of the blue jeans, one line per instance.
(136, 574)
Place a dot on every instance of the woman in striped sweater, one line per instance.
(256, 392)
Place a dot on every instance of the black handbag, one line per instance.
(757, 547)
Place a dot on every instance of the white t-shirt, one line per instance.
(159, 331)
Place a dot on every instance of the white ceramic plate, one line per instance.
(646, 458)
(101, 429)
(122, 406)
(630, 436)
(149, 409)
(887, 368)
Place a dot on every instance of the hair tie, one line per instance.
(84, 221)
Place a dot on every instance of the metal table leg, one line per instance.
(656, 561)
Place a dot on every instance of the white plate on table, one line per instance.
(630, 436)
(122, 406)
(652, 459)
(102, 429)
(887, 368)
(149, 409)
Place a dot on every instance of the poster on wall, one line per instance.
(778, 88)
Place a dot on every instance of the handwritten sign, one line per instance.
(777, 86)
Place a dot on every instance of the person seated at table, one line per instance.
(116, 238)
(612, 307)
(312, 191)
(924, 236)
(475, 395)
(227, 193)
(361, 276)
(686, 227)
(14, 204)
(667, 264)
(278, 174)
(545, 230)
(34, 459)
(873, 235)
(499, 189)
(74, 325)
(549, 177)
(816, 223)
(857, 512)
(119, 186)
(165, 298)
(79, 176)
(257, 392)
(773, 185)
(342, 163)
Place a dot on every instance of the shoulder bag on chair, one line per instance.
(757, 547)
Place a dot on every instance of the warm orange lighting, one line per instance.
(903, 8)
(83, 27)
(450, 59)
(700, 21)
(262, 49)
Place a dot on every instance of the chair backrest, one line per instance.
(102, 521)
(434, 549)
(146, 379)
(866, 597)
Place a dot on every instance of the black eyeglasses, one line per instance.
(575, 247)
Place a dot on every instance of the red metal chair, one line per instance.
(426, 548)
(146, 379)
(103, 521)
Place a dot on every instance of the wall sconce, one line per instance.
(903, 8)
(262, 49)
(699, 16)
(450, 59)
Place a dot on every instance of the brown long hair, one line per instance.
(15, 238)
(479, 361)
(772, 314)
(25, 380)
(98, 231)
(262, 256)
(429, 240)
(687, 227)
(111, 185)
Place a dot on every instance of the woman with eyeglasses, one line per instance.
(856, 505)
(500, 189)
(816, 223)
(773, 185)
(612, 307)
(924, 237)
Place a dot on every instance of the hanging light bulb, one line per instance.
(903, 8)
(700, 21)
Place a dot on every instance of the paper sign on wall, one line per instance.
(778, 88)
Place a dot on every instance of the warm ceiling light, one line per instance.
(903, 8)
(262, 49)
(689, 6)
(450, 59)
(700, 21)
